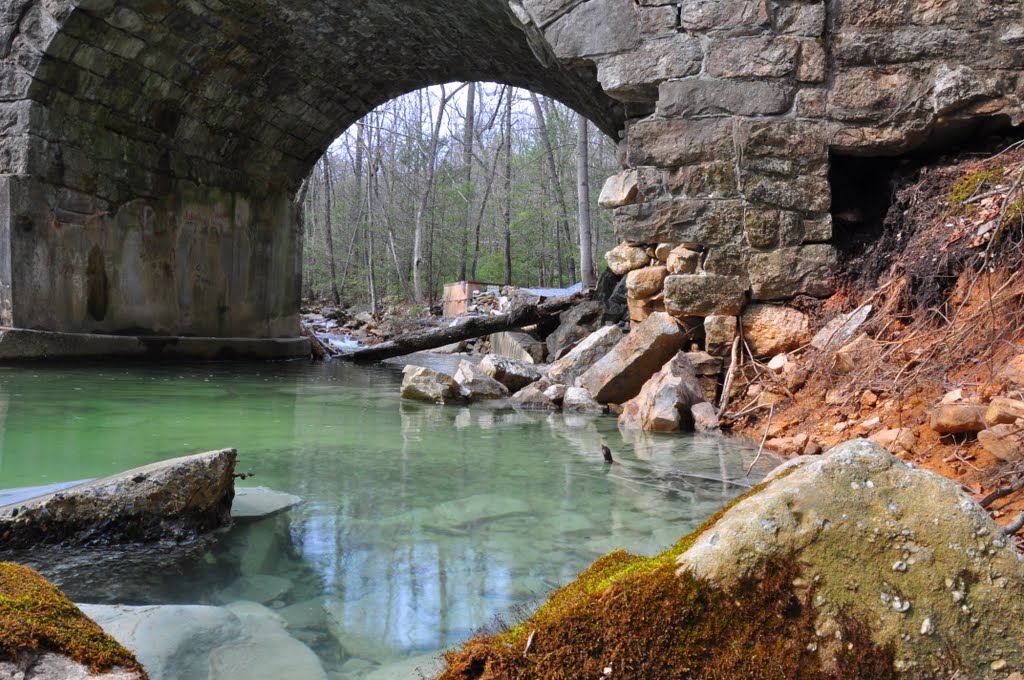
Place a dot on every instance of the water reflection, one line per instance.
(421, 523)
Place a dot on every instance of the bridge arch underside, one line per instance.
(151, 149)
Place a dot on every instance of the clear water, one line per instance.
(420, 523)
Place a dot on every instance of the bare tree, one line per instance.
(588, 275)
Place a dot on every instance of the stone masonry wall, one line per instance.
(726, 198)
(149, 149)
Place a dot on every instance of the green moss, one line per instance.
(969, 186)
(35, 616)
(637, 615)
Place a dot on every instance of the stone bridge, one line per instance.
(151, 149)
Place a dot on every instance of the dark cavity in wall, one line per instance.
(868, 224)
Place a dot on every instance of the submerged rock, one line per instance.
(242, 640)
(259, 502)
(173, 500)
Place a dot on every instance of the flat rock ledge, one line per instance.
(852, 565)
(172, 500)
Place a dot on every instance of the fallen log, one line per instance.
(318, 348)
(474, 327)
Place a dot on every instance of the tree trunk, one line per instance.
(473, 327)
(507, 216)
(417, 248)
(467, 176)
(588, 275)
(332, 265)
(357, 201)
(563, 224)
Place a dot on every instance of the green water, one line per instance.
(420, 523)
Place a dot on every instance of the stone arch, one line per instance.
(170, 136)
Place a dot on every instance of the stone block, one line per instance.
(635, 75)
(594, 28)
(683, 260)
(818, 230)
(515, 375)
(769, 228)
(716, 179)
(706, 15)
(664, 401)
(585, 355)
(719, 333)
(1005, 442)
(619, 190)
(619, 375)
(624, 258)
(773, 329)
(764, 56)
(647, 282)
(804, 193)
(800, 18)
(787, 272)
(642, 308)
(729, 260)
(695, 97)
(680, 221)
(519, 346)
(704, 295)
(424, 384)
(957, 418)
(873, 94)
(813, 64)
(879, 13)
(1004, 411)
(677, 142)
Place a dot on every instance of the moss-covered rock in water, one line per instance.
(852, 565)
(36, 618)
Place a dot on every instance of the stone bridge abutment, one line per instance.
(151, 148)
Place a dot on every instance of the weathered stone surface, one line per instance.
(674, 142)
(788, 272)
(704, 295)
(664, 402)
(839, 330)
(534, 397)
(619, 375)
(585, 355)
(57, 667)
(475, 384)
(705, 416)
(765, 56)
(578, 400)
(857, 352)
(219, 643)
(680, 221)
(1005, 442)
(1012, 374)
(425, 384)
(624, 258)
(719, 333)
(683, 260)
(1003, 411)
(898, 440)
(172, 500)
(774, 329)
(515, 375)
(957, 418)
(641, 309)
(704, 364)
(861, 513)
(646, 282)
(595, 27)
(634, 76)
(519, 346)
(698, 97)
(574, 325)
(619, 190)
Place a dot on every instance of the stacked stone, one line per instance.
(736, 107)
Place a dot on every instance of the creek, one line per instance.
(420, 523)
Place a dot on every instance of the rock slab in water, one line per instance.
(904, 551)
(259, 502)
(172, 500)
(584, 355)
(244, 640)
(425, 384)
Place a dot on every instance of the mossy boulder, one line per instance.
(852, 565)
(44, 633)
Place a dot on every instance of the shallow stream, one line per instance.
(420, 523)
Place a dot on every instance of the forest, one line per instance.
(463, 181)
